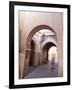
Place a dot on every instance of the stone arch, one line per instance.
(36, 29)
(45, 50)
(28, 45)
(50, 40)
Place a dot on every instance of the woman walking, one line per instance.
(53, 63)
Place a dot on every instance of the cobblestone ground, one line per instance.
(43, 71)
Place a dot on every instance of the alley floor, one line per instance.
(43, 71)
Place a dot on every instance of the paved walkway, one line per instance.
(43, 71)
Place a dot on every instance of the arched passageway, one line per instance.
(32, 57)
(45, 51)
(45, 70)
(36, 29)
(52, 53)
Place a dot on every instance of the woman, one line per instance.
(52, 62)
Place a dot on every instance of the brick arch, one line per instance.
(36, 29)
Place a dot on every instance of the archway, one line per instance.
(45, 51)
(29, 47)
(52, 53)
(31, 34)
(36, 29)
